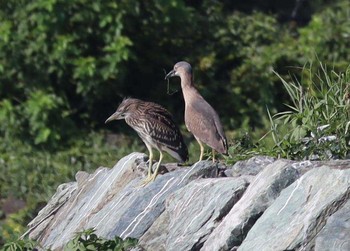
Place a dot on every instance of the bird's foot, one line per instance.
(149, 179)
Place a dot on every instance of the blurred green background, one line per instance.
(66, 65)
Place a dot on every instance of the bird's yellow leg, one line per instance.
(149, 171)
(154, 175)
(150, 159)
(151, 177)
(202, 149)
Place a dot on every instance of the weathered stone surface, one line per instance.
(260, 194)
(288, 205)
(39, 224)
(252, 166)
(83, 202)
(295, 218)
(192, 213)
(156, 236)
(336, 233)
(111, 201)
(307, 165)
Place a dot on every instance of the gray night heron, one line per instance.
(200, 118)
(156, 127)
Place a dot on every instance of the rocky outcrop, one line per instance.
(192, 213)
(261, 204)
(296, 217)
(336, 232)
(261, 193)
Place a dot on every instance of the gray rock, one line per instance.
(336, 233)
(40, 223)
(156, 236)
(137, 248)
(307, 165)
(260, 194)
(192, 213)
(251, 166)
(112, 202)
(288, 205)
(293, 221)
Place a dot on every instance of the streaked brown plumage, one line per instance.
(156, 127)
(200, 118)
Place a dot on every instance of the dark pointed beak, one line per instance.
(170, 74)
(114, 116)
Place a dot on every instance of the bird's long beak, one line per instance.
(114, 116)
(170, 74)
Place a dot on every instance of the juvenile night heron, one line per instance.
(156, 127)
(200, 118)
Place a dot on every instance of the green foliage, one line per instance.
(325, 36)
(42, 119)
(88, 240)
(19, 245)
(13, 226)
(86, 57)
(244, 147)
(83, 241)
(317, 124)
(8, 120)
(59, 55)
(67, 41)
(46, 116)
(245, 144)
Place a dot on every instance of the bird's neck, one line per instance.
(186, 81)
(190, 93)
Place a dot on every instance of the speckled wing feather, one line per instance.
(160, 126)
